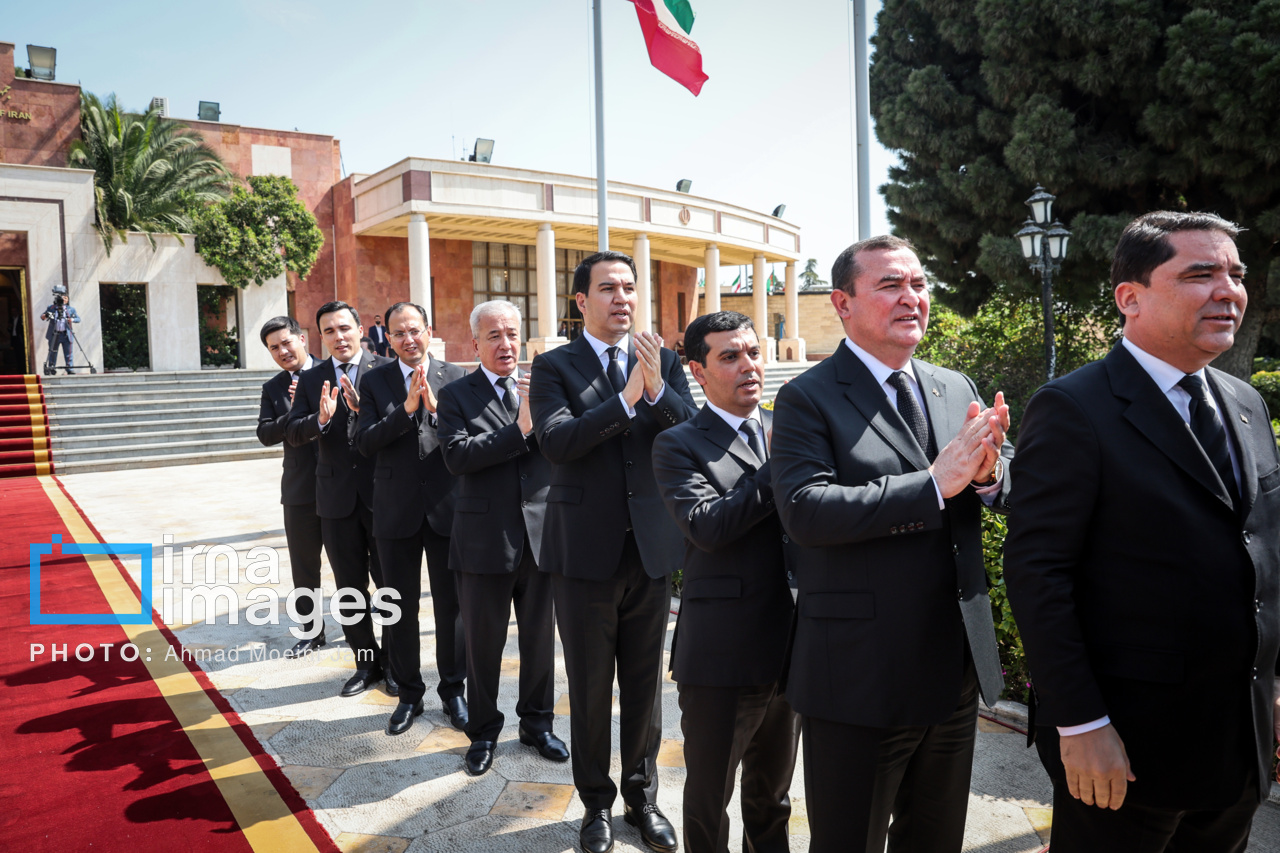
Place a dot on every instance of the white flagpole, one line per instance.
(602, 184)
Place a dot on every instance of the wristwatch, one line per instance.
(997, 472)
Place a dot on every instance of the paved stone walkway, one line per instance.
(410, 793)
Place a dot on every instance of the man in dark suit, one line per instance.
(1143, 561)
(486, 431)
(378, 335)
(608, 542)
(877, 462)
(735, 608)
(324, 402)
(287, 343)
(413, 509)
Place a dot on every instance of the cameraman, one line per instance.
(60, 316)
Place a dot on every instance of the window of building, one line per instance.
(507, 271)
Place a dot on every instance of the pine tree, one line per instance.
(1117, 107)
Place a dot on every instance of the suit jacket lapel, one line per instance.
(861, 389)
(487, 394)
(1236, 415)
(1154, 416)
(941, 417)
(395, 378)
(588, 364)
(720, 434)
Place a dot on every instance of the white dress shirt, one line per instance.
(602, 352)
(338, 372)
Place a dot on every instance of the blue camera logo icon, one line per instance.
(56, 547)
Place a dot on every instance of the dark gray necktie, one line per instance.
(614, 371)
(909, 408)
(509, 400)
(750, 430)
(1210, 432)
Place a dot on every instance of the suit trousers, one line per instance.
(401, 561)
(353, 555)
(724, 727)
(855, 777)
(622, 621)
(303, 535)
(486, 601)
(1137, 828)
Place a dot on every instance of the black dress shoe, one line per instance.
(393, 686)
(550, 746)
(402, 718)
(363, 680)
(655, 830)
(456, 710)
(596, 835)
(479, 757)
(303, 647)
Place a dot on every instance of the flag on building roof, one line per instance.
(737, 284)
(666, 25)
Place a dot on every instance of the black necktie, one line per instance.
(1209, 431)
(750, 429)
(614, 372)
(909, 408)
(509, 400)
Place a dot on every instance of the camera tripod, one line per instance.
(51, 369)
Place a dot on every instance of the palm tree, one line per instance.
(810, 275)
(149, 172)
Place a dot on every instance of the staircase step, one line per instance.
(199, 431)
(246, 423)
(124, 450)
(113, 414)
(132, 462)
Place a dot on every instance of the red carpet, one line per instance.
(96, 754)
(24, 428)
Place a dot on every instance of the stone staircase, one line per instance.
(115, 421)
(110, 422)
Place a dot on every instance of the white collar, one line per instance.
(600, 346)
(735, 421)
(493, 377)
(405, 369)
(1164, 374)
(878, 368)
(337, 365)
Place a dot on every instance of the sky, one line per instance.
(424, 79)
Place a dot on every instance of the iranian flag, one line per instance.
(666, 25)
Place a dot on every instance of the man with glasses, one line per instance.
(413, 509)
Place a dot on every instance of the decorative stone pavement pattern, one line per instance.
(410, 794)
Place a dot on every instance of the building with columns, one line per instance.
(444, 234)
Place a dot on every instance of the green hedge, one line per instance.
(1268, 384)
(124, 327)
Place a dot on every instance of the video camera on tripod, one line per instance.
(61, 317)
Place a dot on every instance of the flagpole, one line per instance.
(602, 184)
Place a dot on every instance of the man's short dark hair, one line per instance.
(400, 306)
(582, 274)
(333, 307)
(845, 271)
(275, 324)
(1145, 245)
(695, 336)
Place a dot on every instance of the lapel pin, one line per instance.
(1244, 417)
(935, 392)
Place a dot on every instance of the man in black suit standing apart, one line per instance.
(287, 343)
(486, 431)
(877, 462)
(608, 542)
(378, 334)
(1143, 561)
(325, 401)
(413, 509)
(735, 611)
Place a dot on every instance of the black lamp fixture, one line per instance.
(209, 111)
(483, 152)
(1044, 245)
(42, 60)
(779, 210)
(684, 185)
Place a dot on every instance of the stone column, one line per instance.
(791, 348)
(711, 290)
(644, 286)
(420, 273)
(548, 336)
(172, 311)
(760, 309)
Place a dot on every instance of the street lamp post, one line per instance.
(1044, 245)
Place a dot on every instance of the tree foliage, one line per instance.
(148, 171)
(1116, 106)
(259, 232)
(810, 276)
(125, 343)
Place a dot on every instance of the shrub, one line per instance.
(1013, 660)
(1268, 384)
(218, 346)
(124, 327)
